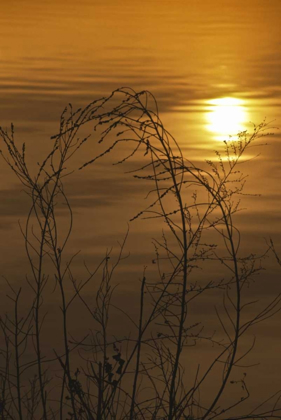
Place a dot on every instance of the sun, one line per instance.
(226, 116)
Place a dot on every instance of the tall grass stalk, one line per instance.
(197, 206)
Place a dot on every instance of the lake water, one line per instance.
(214, 67)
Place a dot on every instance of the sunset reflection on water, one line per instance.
(226, 116)
(214, 67)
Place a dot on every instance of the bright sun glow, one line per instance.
(226, 116)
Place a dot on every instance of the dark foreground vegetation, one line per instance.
(152, 372)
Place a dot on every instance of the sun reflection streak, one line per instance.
(226, 116)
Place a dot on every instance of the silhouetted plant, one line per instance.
(147, 379)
